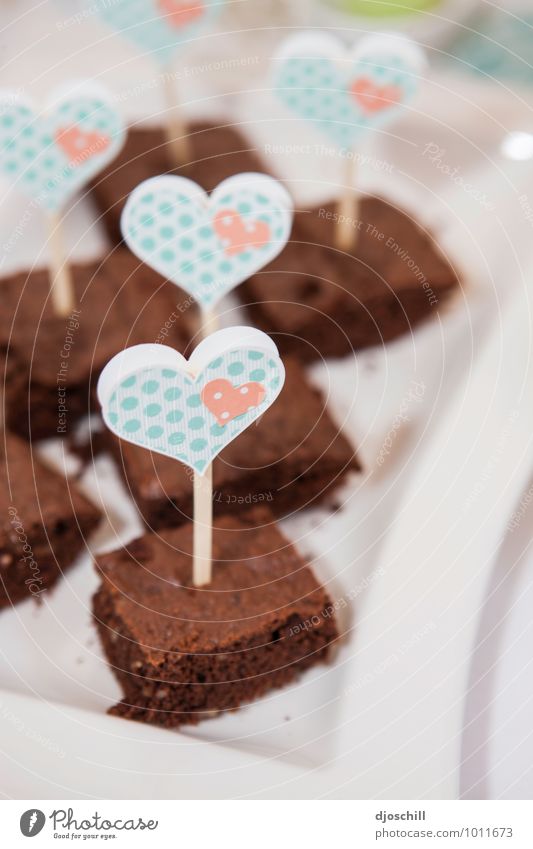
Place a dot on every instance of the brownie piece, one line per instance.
(293, 457)
(319, 301)
(182, 654)
(43, 523)
(216, 151)
(54, 363)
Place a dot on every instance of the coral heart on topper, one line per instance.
(372, 97)
(226, 401)
(180, 13)
(159, 26)
(79, 145)
(51, 154)
(345, 93)
(190, 410)
(207, 245)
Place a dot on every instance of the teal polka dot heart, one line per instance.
(344, 95)
(159, 27)
(207, 245)
(191, 410)
(51, 154)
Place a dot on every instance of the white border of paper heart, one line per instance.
(81, 87)
(151, 355)
(264, 183)
(311, 44)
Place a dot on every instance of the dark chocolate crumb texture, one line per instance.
(54, 362)
(182, 654)
(43, 526)
(216, 152)
(294, 457)
(318, 301)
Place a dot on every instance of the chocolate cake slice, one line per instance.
(319, 301)
(217, 151)
(294, 457)
(54, 362)
(44, 521)
(182, 654)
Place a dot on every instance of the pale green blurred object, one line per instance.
(384, 8)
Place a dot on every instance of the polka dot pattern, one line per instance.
(164, 410)
(53, 154)
(207, 246)
(343, 99)
(151, 24)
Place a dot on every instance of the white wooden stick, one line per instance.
(202, 527)
(347, 209)
(175, 126)
(210, 323)
(61, 287)
(203, 496)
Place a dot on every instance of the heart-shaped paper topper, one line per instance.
(159, 27)
(207, 245)
(51, 154)
(190, 410)
(346, 93)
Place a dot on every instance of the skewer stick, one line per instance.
(175, 126)
(61, 286)
(347, 209)
(209, 323)
(202, 527)
(203, 498)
